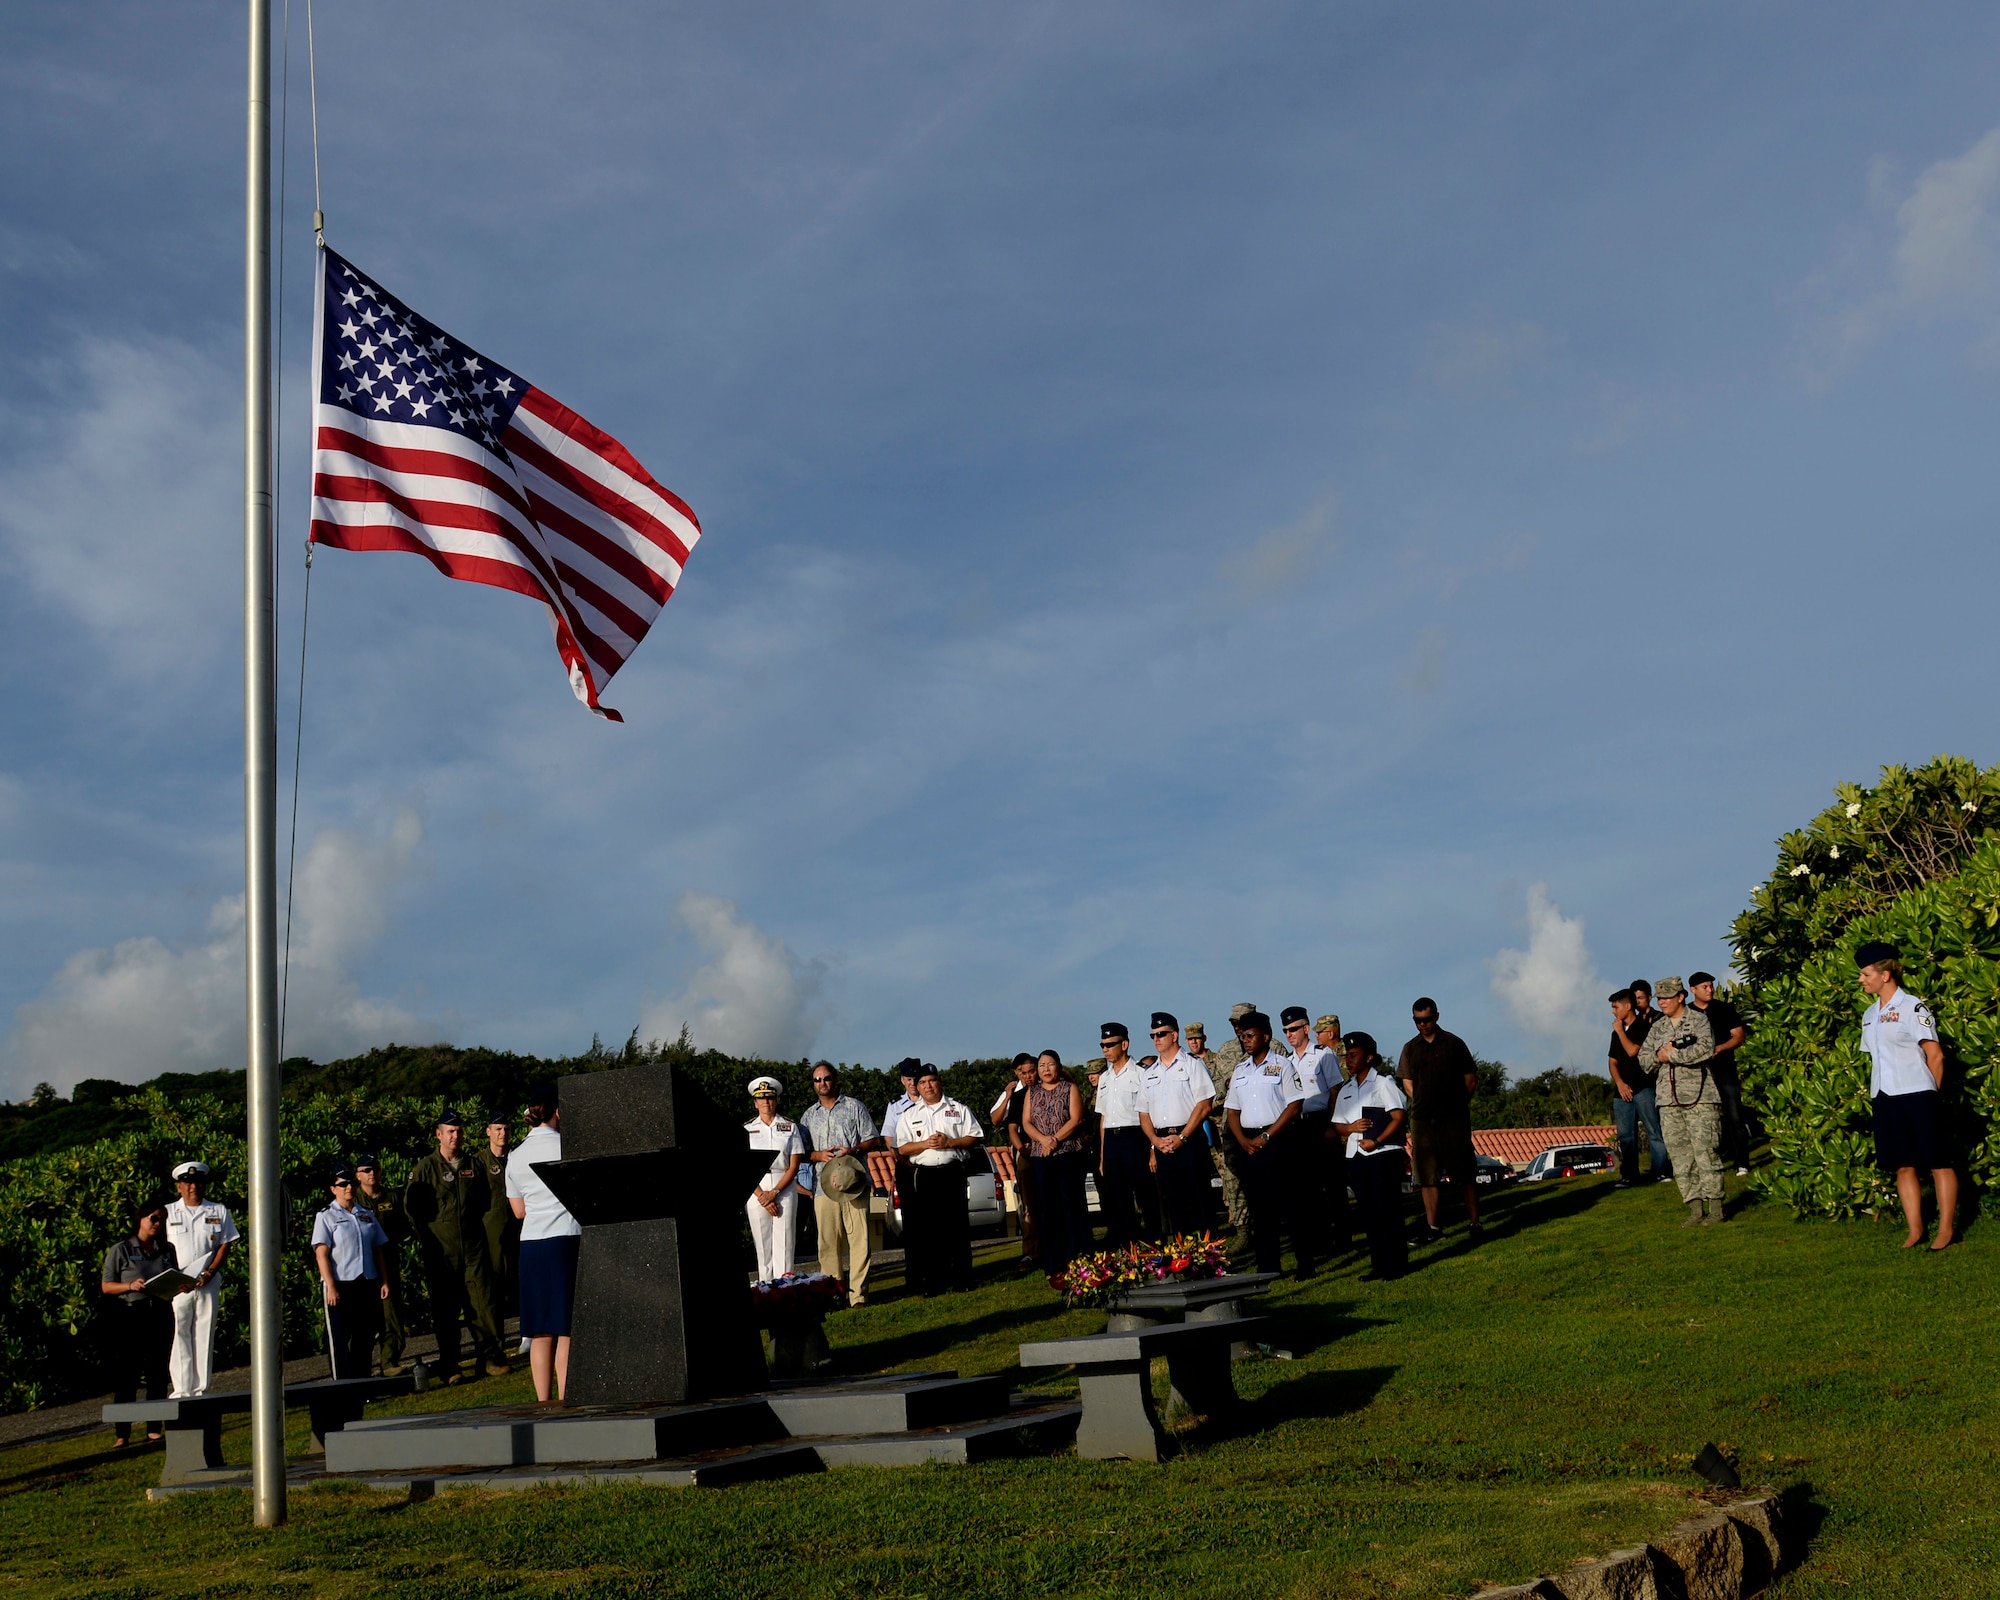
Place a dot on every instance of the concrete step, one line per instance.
(878, 1406)
(533, 1435)
(1025, 1430)
(709, 1469)
(530, 1435)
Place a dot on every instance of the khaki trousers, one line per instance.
(839, 1219)
(1693, 1134)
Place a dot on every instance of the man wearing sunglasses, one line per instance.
(839, 1134)
(351, 1250)
(1125, 1190)
(1174, 1104)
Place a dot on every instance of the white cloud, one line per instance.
(1551, 987)
(1942, 255)
(145, 1006)
(127, 514)
(753, 998)
(1281, 558)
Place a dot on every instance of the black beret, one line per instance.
(1292, 1014)
(1366, 1040)
(1254, 1019)
(1875, 952)
(928, 1069)
(907, 1067)
(1165, 1019)
(450, 1119)
(1113, 1030)
(1700, 977)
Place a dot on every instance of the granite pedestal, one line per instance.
(656, 1173)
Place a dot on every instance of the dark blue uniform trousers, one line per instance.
(1278, 1181)
(1125, 1190)
(1187, 1178)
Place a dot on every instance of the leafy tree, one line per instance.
(1911, 861)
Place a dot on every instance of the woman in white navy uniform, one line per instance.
(773, 1204)
(1905, 1083)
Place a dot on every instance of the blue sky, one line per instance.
(1289, 503)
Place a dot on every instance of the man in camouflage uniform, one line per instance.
(395, 1221)
(1681, 1044)
(503, 1228)
(1222, 1065)
(447, 1202)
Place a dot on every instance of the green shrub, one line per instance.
(1913, 864)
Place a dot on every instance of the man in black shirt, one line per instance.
(139, 1323)
(1726, 1024)
(1439, 1075)
(1632, 1078)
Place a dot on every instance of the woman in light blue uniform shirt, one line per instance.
(1906, 1083)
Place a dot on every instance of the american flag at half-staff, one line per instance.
(420, 443)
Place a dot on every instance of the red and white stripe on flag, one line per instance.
(421, 444)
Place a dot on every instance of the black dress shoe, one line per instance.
(1431, 1236)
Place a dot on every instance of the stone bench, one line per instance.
(193, 1426)
(1114, 1373)
(1192, 1300)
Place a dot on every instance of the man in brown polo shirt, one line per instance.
(1439, 1075)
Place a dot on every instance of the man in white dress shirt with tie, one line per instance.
(1173, 1110)
(1125, 1189)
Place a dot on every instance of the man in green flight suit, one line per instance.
(446, 1199)
(388, 1208)
(503, 1228)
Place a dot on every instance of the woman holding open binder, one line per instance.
(1372, 1115)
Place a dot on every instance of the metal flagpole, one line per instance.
(260, 805)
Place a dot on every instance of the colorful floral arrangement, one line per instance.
(1098, 1280)
(796, 1294)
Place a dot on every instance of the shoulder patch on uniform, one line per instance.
(1921, 1012)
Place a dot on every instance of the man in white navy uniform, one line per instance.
(1173, 1112)
(201, 1232)
(1318, 1068)
(1905, 1085)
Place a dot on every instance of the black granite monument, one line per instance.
(656, 1172)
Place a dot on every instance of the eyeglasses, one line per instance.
(359, 1170)
(822, 1080)
(1163, 1033)
(341, 1183)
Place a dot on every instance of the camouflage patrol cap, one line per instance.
(1197, 1030)
(1668, 988)
(1241, 1009)
(1329, 1020)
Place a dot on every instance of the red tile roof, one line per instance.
(1519, 1146)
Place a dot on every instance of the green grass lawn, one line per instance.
(1501, 1411)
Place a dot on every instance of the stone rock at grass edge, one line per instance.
(1622, 1575)
(1540, 1589)
(1757, 1522)
(1702, 1558)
